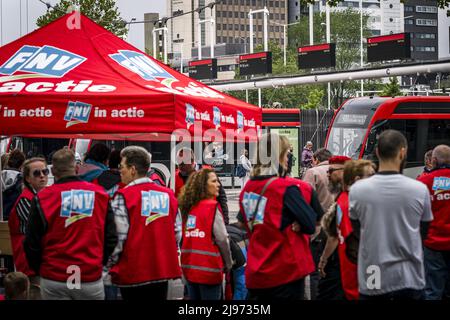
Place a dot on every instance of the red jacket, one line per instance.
(17, 237)
(274, 257)
(349, 270)
(438, 183)
(75, 213)
(201, 260)
(150, 252)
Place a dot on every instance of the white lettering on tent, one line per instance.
(39, 87)
(41, 61)
(65, 62)
(146, 64)
(65, 86)
(12, 87)
(20, 58)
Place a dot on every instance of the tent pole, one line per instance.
(1, 192)
(172, 161)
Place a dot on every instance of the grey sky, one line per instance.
(14, 22)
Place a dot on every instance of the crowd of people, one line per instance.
(348, 230)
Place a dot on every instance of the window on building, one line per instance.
(409, 21)
(224, 27)
(219, 39)
(219, 27)
(277, 28)
(425, 36)
(270, 3)
(425, 49)
(271, 28)
(230, 39)
(236, 27)
(426, 22)
(282, 16)
(230, 27)
(218, 14)
(277, 4)
(260, 28)
(409, 9)
(236, 14)
(242, 15)
(426, 9)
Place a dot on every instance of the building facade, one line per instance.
(421, 20)
(233, 24)
(444, 34)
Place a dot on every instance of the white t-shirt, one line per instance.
(390, 208)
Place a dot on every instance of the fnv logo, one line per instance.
(140, 64)
(441, 184)
(77, 205)
(190, 115)
(216, 116)
(77, 112)
(46, 61)
(191, 222)
(155, 205)
(249, 202)
(240, 120)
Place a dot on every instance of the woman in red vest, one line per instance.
(278, 257)
(205, 250)
(341, 230)
(35, 174)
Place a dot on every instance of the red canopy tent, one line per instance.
(73, 78)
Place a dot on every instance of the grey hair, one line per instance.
(442, 154)
(138, 157)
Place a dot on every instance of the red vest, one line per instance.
(75, 213)
(20, 260)
(438, 183)
(274, 257)
(349, 270)
(150, 252)
(200, 257)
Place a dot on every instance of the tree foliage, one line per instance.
(333, 3)
(103, 12)
(392, 88)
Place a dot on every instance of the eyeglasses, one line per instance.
(37, 173)
(331, 170)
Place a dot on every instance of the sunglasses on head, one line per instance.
(37, 173)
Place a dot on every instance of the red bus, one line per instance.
(425, 122)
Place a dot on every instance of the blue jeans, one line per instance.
(437, 269)
(204, 291)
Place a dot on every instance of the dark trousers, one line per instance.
(437, 271)
(154, 291)
(405, 294)
(199, 291)
(330, 287)
(287, 292)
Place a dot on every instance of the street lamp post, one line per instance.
(265, 12)
(285, 37)
(165, 33)
(361, 43)
(328, 22)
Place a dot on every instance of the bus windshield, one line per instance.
(346, 141)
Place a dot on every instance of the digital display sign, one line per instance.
(255, 63)
(389, 47)
(203, 69)
(317, 56)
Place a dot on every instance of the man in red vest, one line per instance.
(70, 232)
(437, 240)
(149, 230)
(186, 166)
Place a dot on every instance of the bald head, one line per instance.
(441, 155)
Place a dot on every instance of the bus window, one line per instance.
(3, 144)
(346, 141)
(422, 135)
